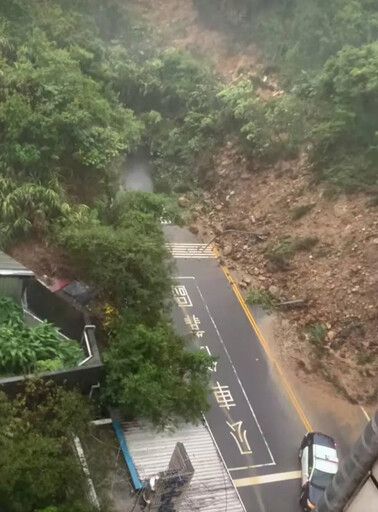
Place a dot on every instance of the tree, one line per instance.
(55, 117)
(131, 268)
(270, 128)
(30, 208)
(38, 467)
(345, 140)
(148, 206)
(151, 374)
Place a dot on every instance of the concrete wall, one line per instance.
(56, 309)
(71, 319)
(80, 378)
(11, 287)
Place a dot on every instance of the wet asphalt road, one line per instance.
(255, 425)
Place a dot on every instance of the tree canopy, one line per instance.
(150, 373)
(38, 467)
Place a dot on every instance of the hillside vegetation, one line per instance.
(325, 54)
(81, 87)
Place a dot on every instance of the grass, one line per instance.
(300, 211)
(316, 334)
(261, 297)
(363, 358)
(285, 249)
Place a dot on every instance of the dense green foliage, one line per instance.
(29, 208)
(79, 90)
(55, 117)
(269, 129)
(150, 373)
(122, 251)
(346, 138)
(325, 52)
(38, 466)
(26, 349)
(129, 267)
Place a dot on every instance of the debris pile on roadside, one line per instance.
(284, 234)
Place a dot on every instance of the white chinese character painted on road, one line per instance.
(223, 396)
(181, 296)
(213, 368)
(194, 323)
(240, 437)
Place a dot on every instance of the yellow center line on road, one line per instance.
(265, 345)
(267, 479)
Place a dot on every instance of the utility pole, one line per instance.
(353, 471)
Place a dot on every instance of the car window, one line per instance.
(310, 457)
(321, 479)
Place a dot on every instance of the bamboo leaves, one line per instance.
(29, 208)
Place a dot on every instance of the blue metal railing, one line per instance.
(128, 459)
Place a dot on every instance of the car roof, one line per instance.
(325, 459)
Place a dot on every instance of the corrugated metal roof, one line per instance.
(211, 489)
(11, 267)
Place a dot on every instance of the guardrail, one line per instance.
(87, 344)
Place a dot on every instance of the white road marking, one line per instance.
(267, 479)
(181, 296)
(365, 413)
(223, 396)
(184, 277)
(191, 251)
(240, 437)
(237, 378)
(243, 468)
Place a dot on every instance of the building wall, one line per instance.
(11, 287)
(81, 379)
(366, 498)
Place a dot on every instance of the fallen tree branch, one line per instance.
(258, 237)
(289, 304)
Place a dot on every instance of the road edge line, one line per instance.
(265, 345)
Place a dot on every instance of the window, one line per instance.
(321, 479)
(310, 458)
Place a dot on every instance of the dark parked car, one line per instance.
(319, 463)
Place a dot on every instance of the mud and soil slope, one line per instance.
(322, 250)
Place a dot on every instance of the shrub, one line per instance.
(316, 334)
(28, 349)
(269, 128)
(300, 211)
(261, 297)
(131, 268)
(38, 465)
(151, 374)
(285, 249)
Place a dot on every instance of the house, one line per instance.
(73, 321)
(13, 278)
